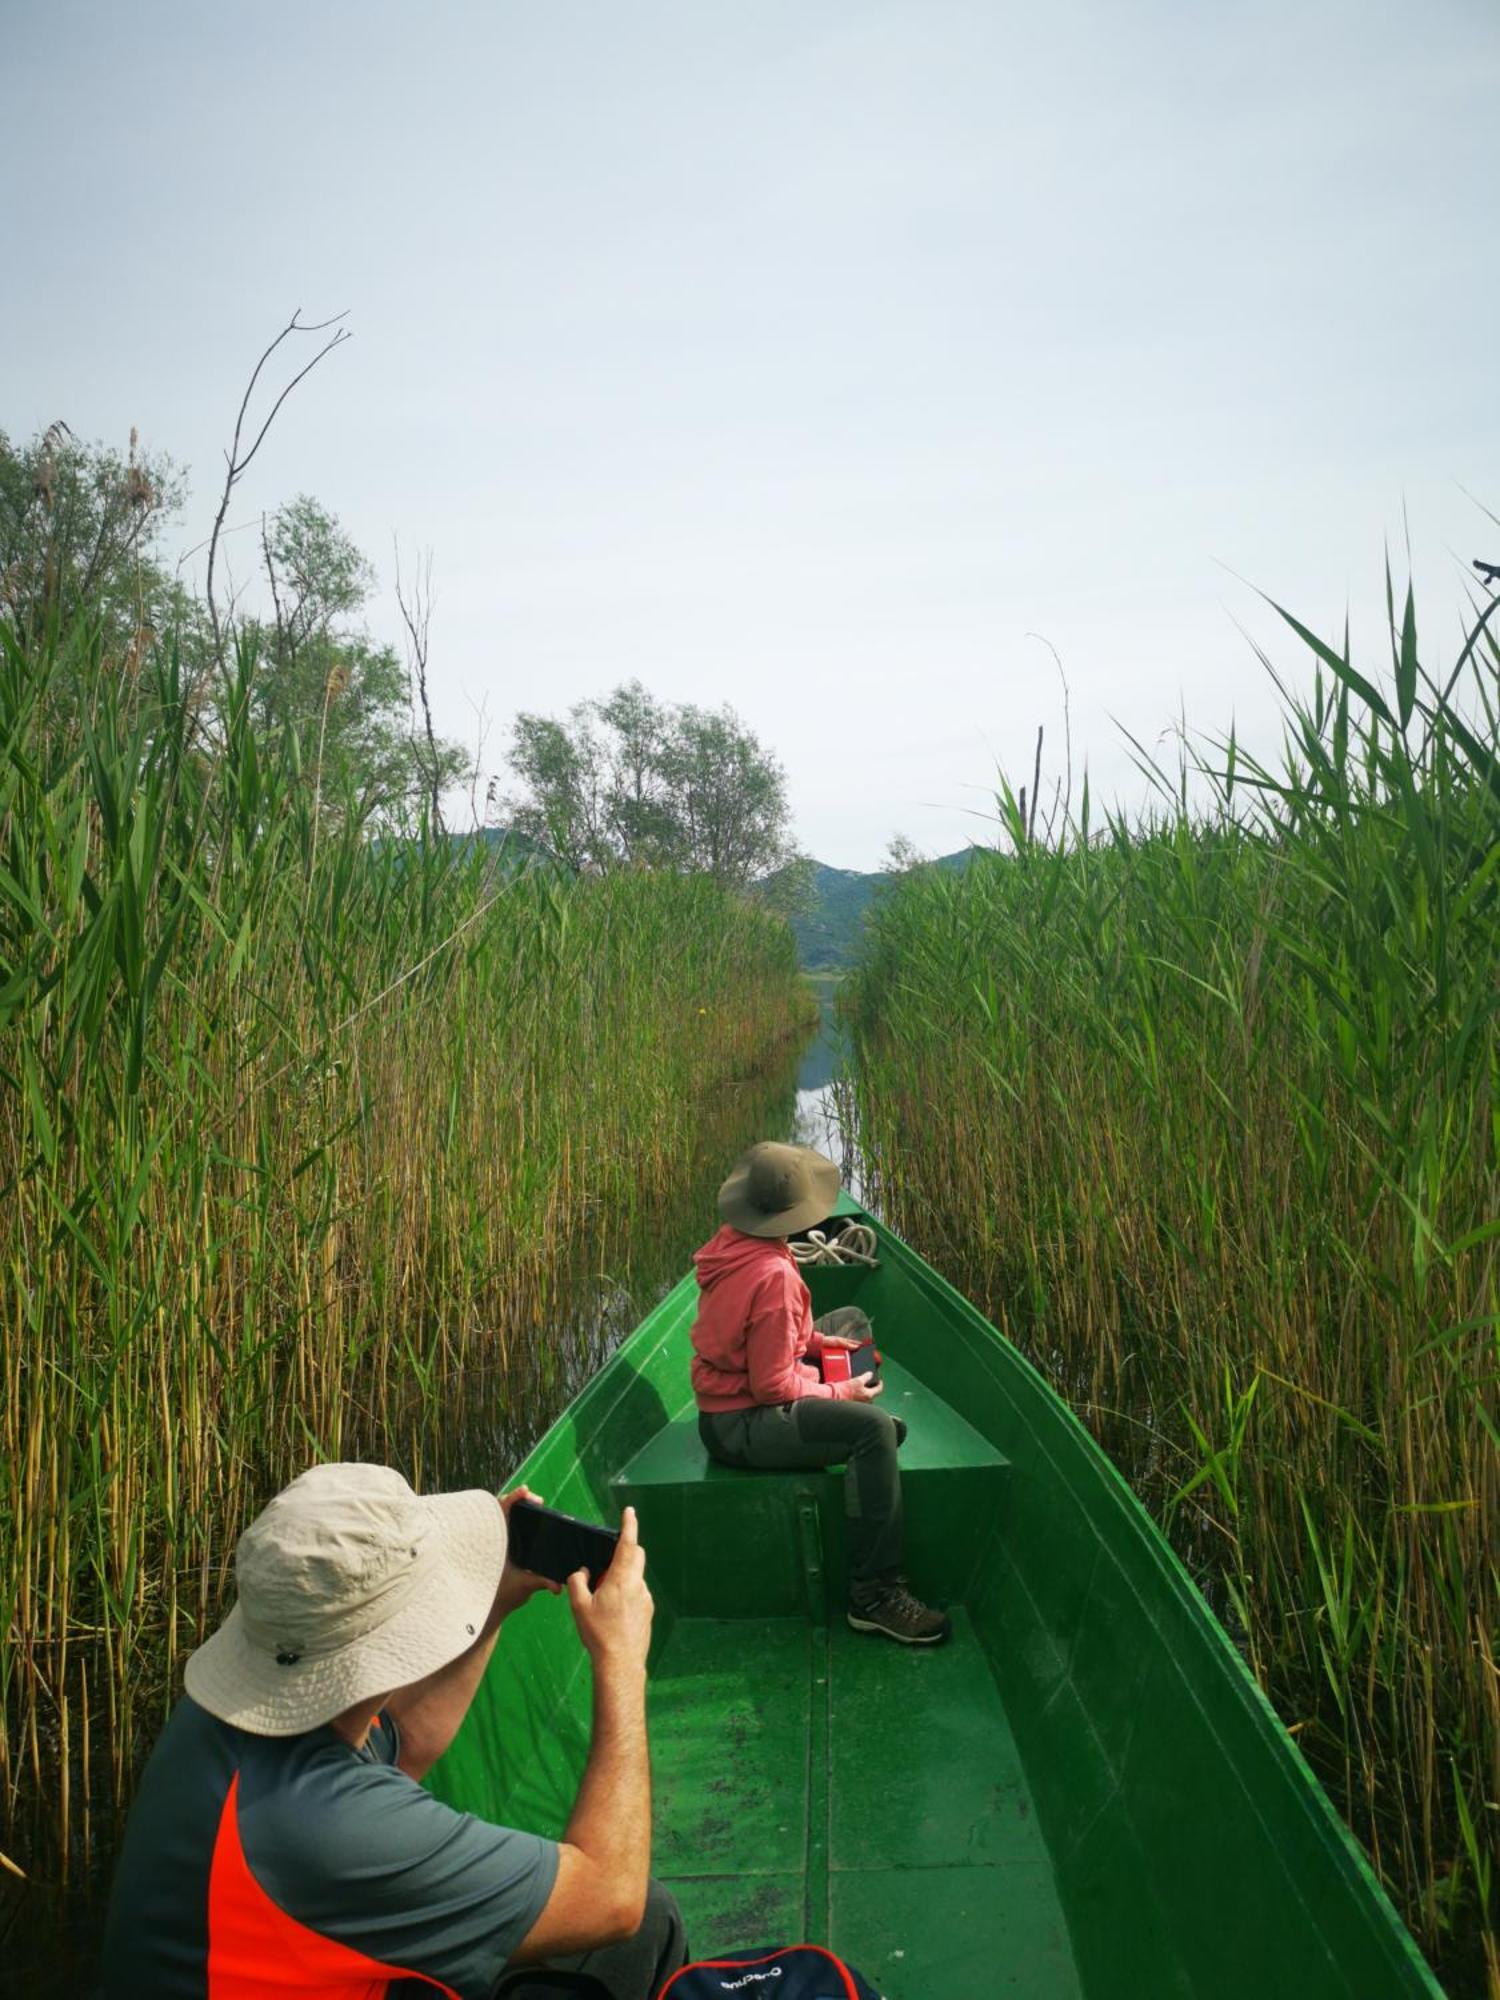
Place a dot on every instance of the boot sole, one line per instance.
(858, 1624)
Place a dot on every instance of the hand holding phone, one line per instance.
(554, 1545)
(838, 1364)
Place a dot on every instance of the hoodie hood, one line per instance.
(730, 1253)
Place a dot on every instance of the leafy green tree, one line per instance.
(640, 808)
(792, 889)
(563, 768)
(729, 797)
(631, 781)
(320, 675)
(902, 855)
(80, 528)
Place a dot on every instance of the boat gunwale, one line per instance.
(589, 1411)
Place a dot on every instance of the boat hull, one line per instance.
(1086, 1793)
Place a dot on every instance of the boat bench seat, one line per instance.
(725, 1543)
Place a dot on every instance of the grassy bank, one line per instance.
(309, 1145)
(1205, 1111)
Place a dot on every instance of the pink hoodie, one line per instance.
(754, 1326)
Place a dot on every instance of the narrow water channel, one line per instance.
(820, 1116)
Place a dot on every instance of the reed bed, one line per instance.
(1205, 1110)
(311, 1144)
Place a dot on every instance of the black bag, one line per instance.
(778, 1972)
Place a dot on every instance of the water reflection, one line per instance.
(820, 1117)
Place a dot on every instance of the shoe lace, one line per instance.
(901, 1601)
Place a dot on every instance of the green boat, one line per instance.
(1085, 1793)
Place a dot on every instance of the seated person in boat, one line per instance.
(761, 1400)
(280, 1841)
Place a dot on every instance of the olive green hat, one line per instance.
(776, 1190)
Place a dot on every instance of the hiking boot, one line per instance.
(899, 1615)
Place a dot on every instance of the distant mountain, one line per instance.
(516, 851)
(828, 934)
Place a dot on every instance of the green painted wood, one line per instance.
(1085, 1794)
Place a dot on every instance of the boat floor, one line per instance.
(824, 1784)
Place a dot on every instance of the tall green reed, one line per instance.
(1206, 1109)
(311, 1144)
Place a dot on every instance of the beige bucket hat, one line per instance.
(775, 1190)
(350, 1585)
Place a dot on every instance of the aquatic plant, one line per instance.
(1203, 1108)
(311, 1144)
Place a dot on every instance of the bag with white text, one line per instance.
(781, 1972)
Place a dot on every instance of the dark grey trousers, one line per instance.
(634, 1970)
(816, 1431)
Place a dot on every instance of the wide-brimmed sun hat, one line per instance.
(775, 1190)
(350, 1585)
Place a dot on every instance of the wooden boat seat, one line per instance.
(725, 1543)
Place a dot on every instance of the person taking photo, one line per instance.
(280, 1842)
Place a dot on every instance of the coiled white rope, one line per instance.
(854, 1245)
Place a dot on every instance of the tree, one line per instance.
(79, 531)
(630, 781)
(563, 770)
(792, 889)
(321, 676)
(902, 855)
(730, 797)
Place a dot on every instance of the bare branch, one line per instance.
(235, 465)
(481, 737)
(265, 546)
(416, 615)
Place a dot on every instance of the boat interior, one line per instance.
(1051, 1804)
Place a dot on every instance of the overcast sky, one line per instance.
(805, 356)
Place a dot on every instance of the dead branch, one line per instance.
(237, 464)
(416, 615)
(270, 561)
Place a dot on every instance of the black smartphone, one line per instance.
(553, 1545)
(865, 1361)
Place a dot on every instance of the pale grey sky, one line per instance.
(805, 356)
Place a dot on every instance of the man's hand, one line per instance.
(849, 1340)
(863, 1390)
(614, 1621)
(599, 1895)
(517, 1586)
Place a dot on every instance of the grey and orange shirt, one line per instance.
(297, 1866)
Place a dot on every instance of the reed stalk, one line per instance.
(1204, 1109)
(311, 1145)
